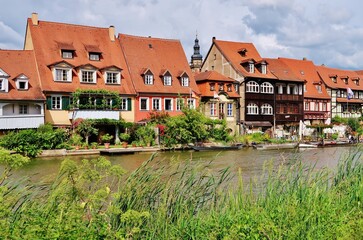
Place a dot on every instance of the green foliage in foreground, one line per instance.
(95, 200)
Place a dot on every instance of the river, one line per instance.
(248, 160)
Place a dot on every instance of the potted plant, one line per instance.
(76, 140)
(124, 138)
(94, 145)
(106, 138)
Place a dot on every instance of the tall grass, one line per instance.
(95, 200)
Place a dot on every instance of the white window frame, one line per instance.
(267, 87)
(179, 104)
(306, 106)
(149, 79)
(4, 87)
(185, 81)
(56, 102)
(263, 68)
(266, 109)
(167, 80)
(191, 103)
(147, 103)
(156, 104)
(252, 87)
(94, 56)
(92, 76)
(23, 109)
(229, 109)
(251, 67)
(2, 84)
(171, 104)
(252, 109)
(213, 108)
(68, 75)
(67, 54)
(123, 105)
(115, 80)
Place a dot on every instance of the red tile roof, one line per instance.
(49, 38)
(326, 73)
(230, 51)
(158, 56)
(16, 63)
(281, 70)
(205, 78)
(306, 70)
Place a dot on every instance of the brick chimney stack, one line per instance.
(111, 33)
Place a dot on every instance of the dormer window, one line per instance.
(111, 75)
(167, 80)
(88, 74)
(356, 81)
(212, 86)
(185, 81)
(251, 67)
(67, 54)
(333, 78)
(149, 79)
(94, 56)
(4, 82)
(62, 72)
(263, 68)
(242, 52)
(22, 82)
(345, 79)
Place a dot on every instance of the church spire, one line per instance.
(197, 58)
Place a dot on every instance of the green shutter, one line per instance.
(49, 102)
(129, 107)
(99, 103)
(65, 103)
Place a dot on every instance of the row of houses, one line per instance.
(68, 71)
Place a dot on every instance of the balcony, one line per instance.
(94, 114)
(21, 121)
(285, 97)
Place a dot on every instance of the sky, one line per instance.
(327, 32)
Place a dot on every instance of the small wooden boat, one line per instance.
(307, 145)
(217, 148)
(275, 146)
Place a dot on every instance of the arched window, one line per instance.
(252, 109)
(252, 86)
(267, 87)
(266, 109)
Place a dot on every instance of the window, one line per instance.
(280, 89)
(191, 103)
(62, 74)
(266, 109)
(123, 105)
(267, 87)
(185, 81)
(213, 109)
(307, 106)
(88, 76)
(252, 109)
(94, 56)
(229, 109)
(221, 87)
(212, 86)
(56, 102)
(179, 104)
(333, 79)
(316, 106)
(23, 109)
(149, 79)
(112, 78)
(252, 86)
(167, 80)
(168, 104)
(229, 88)
(318, 87)
(144, 103)
(157, 104)
(236, 87)
(263, 68)
(23, 85)
(251, 67)
(2, 84)
(324, 107)
(67, 54)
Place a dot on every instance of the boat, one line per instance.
(307, 145)
(275, 146)
(217, 147)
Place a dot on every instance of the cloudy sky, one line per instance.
(328, 32)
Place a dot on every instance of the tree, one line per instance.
(86, 129)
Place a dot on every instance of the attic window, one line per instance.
(251, 67)
(22, 83)
(263, 68)
(68, 54)
(333, 79)
(149, 79)
(3, 85)
(167, 80)
(242, 52)
(345, 80)
(93, 56)
(185, 81)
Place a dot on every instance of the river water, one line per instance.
(249, 161)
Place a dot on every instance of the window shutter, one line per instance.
(65, 103)
(49, 102)
(129, 107)
(99, 103)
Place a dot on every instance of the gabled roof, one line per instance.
(305, 70)
(156, 55)
(49, 38)
(18, 63)
(230, 51)
(206, 78)
(326, 73)
(281, 70)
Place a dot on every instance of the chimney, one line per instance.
(111, 33)
(35, 19)
(304, 59)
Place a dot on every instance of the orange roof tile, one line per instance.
(230, 51)
(306, 70)
(49, 38)
(156, 55)
(326, 73)
(204, 80)
(281, 70)
(16, 63)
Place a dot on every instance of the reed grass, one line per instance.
(95, 200)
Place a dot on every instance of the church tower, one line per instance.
(197, 58)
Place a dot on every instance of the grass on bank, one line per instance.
(96, 200)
